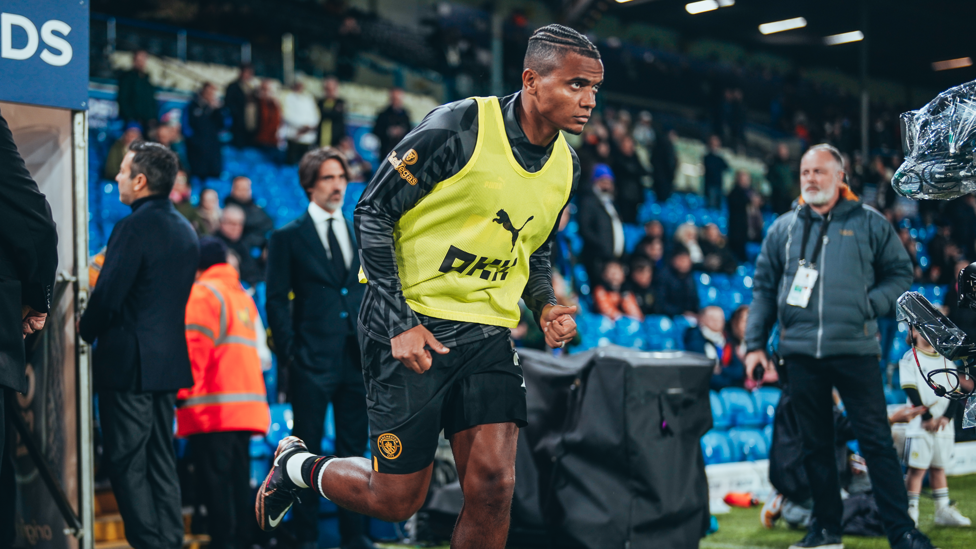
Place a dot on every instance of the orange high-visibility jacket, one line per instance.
(228, 392)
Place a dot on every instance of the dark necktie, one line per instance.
(338, 263)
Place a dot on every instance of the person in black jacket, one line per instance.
(242, 107)
(392, 123)
(137, 315)
(205, 120)
(137, 95)
(664, 162)
(332, 128)
(676, 290)
(600, 226)
(315, 258)
(28, 263)
(629, 183)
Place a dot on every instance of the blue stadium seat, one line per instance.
(768, 435)
(282, 422)
(894, 396)
(628, 332)
(716, 447)
(720, 420)
(748, 444)
(767, 399)
(740, 407)
(595, 330)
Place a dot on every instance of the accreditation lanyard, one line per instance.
(806, 276)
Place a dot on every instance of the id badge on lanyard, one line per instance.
(802, 287)
(806, 276)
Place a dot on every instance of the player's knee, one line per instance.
(402, 508)
(494, 486)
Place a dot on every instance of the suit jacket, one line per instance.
(313, 331)
(596, 229)
(28, 257)
(137, 310)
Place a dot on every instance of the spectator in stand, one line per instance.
(205, 121)
(170, 134)
(943, 251)
(239, 98)
(739, 202)
(718, 258)
(180, 197)
(715, 168)
(962, 212)
(209, 212)
(599, 225)
(653, 250)
(392, 123)
(644, 131)
(664, 161)
(301, 122)
(269, 118)
(360, 170)
(349, 44)
(907, 242)
(227, 403)
(641, 285)
(137, 95)
(686, 237)
(630, 180)
(611, 299)
(782, 179)
(676, 290)
(257, 224)
(711, 339)
(332, 110)
(231, 232)
(132, 133)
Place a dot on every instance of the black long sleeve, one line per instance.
(29, 239)
(916, 399)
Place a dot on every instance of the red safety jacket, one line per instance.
(228, 392)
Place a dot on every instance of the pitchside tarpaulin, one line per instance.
(614, 436)
(44, 52)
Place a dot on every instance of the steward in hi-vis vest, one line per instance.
(228, 392)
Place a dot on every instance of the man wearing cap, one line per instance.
(599, 223)
(228, 401)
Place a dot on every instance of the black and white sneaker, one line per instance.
(913, 539)
(277, 493)
(819, 538)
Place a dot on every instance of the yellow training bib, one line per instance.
(463, 250)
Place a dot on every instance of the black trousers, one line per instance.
(222, 463)
(137, 429)
(310, 392)
(858, 380)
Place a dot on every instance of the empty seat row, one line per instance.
(737, 444)
(737, 407)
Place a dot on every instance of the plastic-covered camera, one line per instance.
(939, 142)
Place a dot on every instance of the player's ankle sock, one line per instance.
(312, 471)
(913, 499)
(294, 466)
(941, 497)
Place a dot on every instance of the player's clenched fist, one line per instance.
(558, 325)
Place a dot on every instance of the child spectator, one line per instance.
(931, 436)
(611, 300)
(640, 285)
(676, 290)
(710, 339)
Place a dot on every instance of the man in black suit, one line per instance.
(599, 225)
(315, 258)
(137, 315)
(28, 263)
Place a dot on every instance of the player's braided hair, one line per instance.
(548, 44)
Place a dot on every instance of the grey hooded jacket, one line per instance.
(862, 267)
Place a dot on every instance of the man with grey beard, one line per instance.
(828, 270)
(314, 258)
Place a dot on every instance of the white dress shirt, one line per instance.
(321, 219)
(618, 227)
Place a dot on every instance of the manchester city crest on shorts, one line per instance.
(389, 445)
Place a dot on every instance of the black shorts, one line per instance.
(474, 384)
